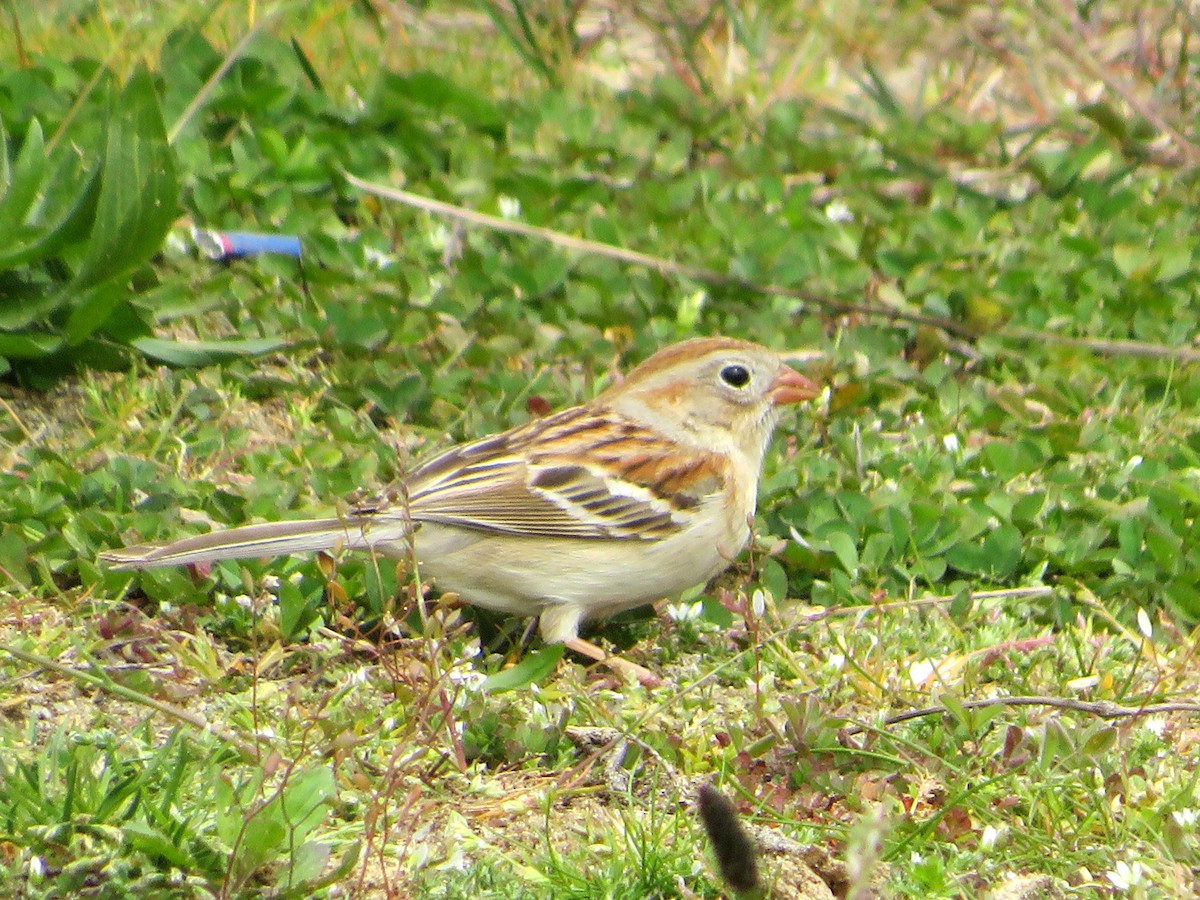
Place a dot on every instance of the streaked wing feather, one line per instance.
(531, 480)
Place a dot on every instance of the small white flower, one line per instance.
(244, 601)
(1144, 624)
(270, 583)
(378, 258)
(439, 237)
(1156, 725)
(758, 603)
(836, 661)
(468, 678)
(991, 835)
(1125, 876)
(1083, 683)
(37, 868)
(921, 671)
(685, 612)
(510, 207)
(1186, 818)
(1134, 462)
(951, 443)
(837, 211)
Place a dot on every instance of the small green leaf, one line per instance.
(29, 345)
(1056, 742)
(14, 559)
(717, 613)
(1109, 120)
(138, 191)
(774, 578)
(1131, 259)
(998, 555)
(956, 710)
(843, 548)
(306, 798)
(92, 309)
(153, 843)
(961, 605)
(46, 241)
(308, 861)
(1098, 742)
(205, 353)
(534, 667)
(25, 182)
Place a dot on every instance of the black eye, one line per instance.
(735, 376)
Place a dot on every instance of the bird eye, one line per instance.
(735, 376)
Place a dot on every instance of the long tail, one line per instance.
(272, 539)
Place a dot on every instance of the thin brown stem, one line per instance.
(1100, 708)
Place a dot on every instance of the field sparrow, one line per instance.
(634, 497)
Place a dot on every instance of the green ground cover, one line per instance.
(975, 224)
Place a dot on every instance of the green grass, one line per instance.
(1027, 426)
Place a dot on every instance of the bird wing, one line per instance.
(580, 473)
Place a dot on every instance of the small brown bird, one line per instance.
(644, 492)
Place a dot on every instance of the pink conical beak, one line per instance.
(790, 386)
